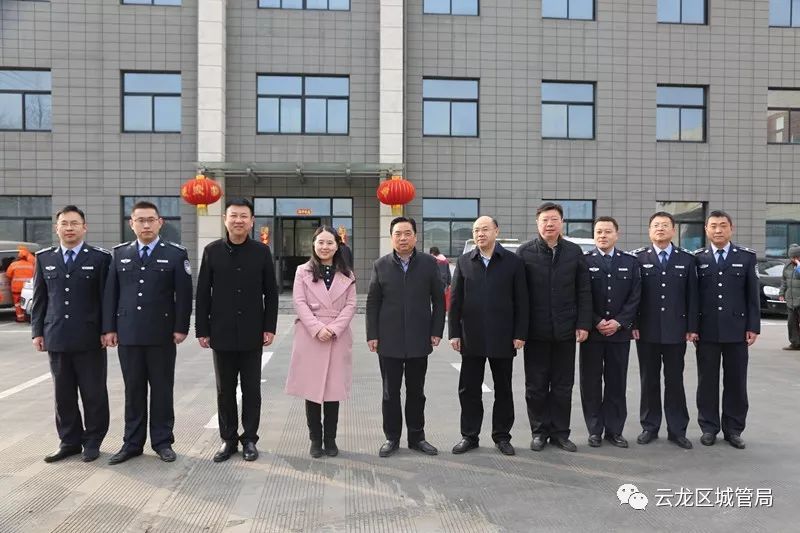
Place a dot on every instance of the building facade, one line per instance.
(611, 107)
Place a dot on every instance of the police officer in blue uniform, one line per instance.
(146, 311)
(604, 356)
(730, 322)
(667, 320)
(66, 321)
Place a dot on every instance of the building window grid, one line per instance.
(681, 15)
(568, 104)
(466, 9)
(153, 96)
(24, 93)
(459, 225)
(303, 97)
(792, 19)
(680, 108)
(790, 134)
(308, 5)
(450, 101)
(34, 218)
(569, 15)
(152, 2)
(578, 217)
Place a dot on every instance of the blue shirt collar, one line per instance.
(152, 245)
(668, 249)
(727, 249)
(76, 249)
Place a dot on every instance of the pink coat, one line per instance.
(322, 371)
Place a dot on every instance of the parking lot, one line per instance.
(705, 489)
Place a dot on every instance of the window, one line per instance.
(567, 110)
(450, 107)
(169, 208)
(680, 113)
(330, 5)
(568, 9)
(783, 228)
(26, 218)
(151, 102)
(25, 100)
(784, 13)
(154, 2)
(303, 104)
(682, 11)
(578, 217)
(450, 7)
(783, 116)
(690, 220)
(447, 223)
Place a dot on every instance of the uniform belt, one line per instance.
(326, 314)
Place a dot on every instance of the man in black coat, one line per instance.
(616, 289)
(66, 321)
(405, 320)
(236, 315)
(561, 313)
(488, 320)
(730, 321)
(146, 310)
(666, 321)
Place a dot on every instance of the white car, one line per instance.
(26, 297)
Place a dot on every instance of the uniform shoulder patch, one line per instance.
(176, 245)
(587, 252)
(101, 250)
(687, 251)
(747, 249)
(699, 250)
(638, 250)
(48, 249)
(120, 245)
(632, 254)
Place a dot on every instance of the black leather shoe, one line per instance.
(331, 450)
(62, 453)
(166, 454)
(736, 441)
(505, 447)
(249, 451)
(595, 441)
(225, 451)
(791, 347)
(90, 454)
(564, 443)
(123, 455)
(646, 437)
(316, 450)
(423, 446)
(708, 439)
(389, 447)
(683, 442)
(464, 445)
(617, 440)
(538, 442)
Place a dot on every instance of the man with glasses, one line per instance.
(146, 311)
(66, 319)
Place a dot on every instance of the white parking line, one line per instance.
(28, 384)
(484, 386)
(213, 423)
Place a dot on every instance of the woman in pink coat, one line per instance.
(321, 368)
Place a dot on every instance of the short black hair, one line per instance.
(398, 220)
(549, 206)
(434, 250)
(663, 214)
(240, 202)
(606, 219)
(144, 204)
(71, 209)
(719, 213)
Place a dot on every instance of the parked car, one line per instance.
(770, 273)
(26, 297)
(8, 253)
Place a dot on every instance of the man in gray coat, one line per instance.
(790, 293)
(405, 321)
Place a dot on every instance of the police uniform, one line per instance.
(667, 312)
(616, 288)
(729, 308)
(146, 301)
(67, 304)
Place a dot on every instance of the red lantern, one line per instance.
(201, 191)
(396, 192)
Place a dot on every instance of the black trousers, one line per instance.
(315, 421)
(651, 356)
(154, 366)
(603, 373)
(392, 371)
(470, 394)
(85, 372)
(549, 377)
(793, 323)
(243, 367)
(734, 356)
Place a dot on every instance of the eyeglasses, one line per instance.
(70, 224)
(661, 225)
(234, 216)
(143, 221)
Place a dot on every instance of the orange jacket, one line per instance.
(20, 270)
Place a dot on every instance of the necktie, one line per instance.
(719, 256)
(70, 260)
(607, 259)
(145, 253)
(663, 257)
